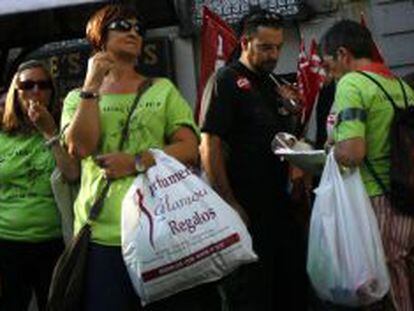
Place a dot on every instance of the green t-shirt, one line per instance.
(161, 111)
(367, 113)
(27, 208)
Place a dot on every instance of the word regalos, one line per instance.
(190, 224)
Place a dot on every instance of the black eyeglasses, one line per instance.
(30, 85)
(124, 25)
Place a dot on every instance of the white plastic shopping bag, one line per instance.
(178, 233)
(346, 262)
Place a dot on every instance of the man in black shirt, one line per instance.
(245, 113)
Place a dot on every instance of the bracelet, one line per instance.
(88, 95)
(55, 139)
(52, 141)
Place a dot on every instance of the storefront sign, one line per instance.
(67, 61)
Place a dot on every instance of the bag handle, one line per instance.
(98, 204)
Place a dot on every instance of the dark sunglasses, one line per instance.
(123, 25)
(30, 84)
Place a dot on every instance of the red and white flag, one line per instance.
(310, 77)
(377, 55)
(218, 41)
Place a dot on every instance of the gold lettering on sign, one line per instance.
(150, 54)
(74, 63)
(54, 66)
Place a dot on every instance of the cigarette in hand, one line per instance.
(33, 103)
(292, 102)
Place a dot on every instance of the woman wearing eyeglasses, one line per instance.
(97, 114)
(30, 233)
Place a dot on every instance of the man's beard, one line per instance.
(267, 67)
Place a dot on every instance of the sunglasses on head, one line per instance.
(265, 18)
(30, 84)
(124, 25)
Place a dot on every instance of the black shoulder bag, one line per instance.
(401, 190)
(67, 283)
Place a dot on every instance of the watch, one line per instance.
(88, 95)
(139, 167)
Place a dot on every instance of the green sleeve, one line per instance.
(350, 110)
(179, 113)
(70, 104)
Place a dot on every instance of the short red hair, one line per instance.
(96, 32)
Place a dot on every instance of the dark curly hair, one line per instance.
(250, 23)
(351, 35)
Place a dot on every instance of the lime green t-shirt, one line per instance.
(27, 208)
(161, 111)
(368, 114)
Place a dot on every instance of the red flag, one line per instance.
(303, 67)
(310, 77)
(377, 56)
(316, 65)
(218, 41)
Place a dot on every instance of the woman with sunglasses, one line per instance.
(96, 114)
(30, 232)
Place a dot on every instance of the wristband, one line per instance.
(52, 141)
(88, 95)
(139, 167)
(55, 139)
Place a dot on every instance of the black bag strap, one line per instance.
(404, 93)
(368, 164)
(98, 204)
(390, 99)
(374, 174)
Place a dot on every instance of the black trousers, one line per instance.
(108, 287)
(278, 281)
(25, 268)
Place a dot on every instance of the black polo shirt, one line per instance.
(245, 113)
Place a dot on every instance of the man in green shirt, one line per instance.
(362, 128)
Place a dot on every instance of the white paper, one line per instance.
(308, 160)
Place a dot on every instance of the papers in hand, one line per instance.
(294, 152)
(301, 154)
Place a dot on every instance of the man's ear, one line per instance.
(342, 52)
(244, 42)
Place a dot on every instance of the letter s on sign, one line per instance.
(150, 54)
(74, 63)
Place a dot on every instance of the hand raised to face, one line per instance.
(41, 118)
(98, 67)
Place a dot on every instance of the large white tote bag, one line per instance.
(178, 233)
